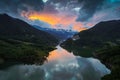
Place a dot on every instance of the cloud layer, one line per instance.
(16, 6)
(88, 9)
(85, 13)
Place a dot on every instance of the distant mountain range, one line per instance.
(60, 34)
(21, 42)
(86, 42)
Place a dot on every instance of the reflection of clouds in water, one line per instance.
(22, 72)
(61, 65)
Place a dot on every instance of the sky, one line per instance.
(76, 15)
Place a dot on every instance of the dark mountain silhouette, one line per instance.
(17, 29)
(87, 41)
(20, 42)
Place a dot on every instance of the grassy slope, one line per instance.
(24, 52)
(20, 42)
(110, 56)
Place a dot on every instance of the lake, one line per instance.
(60, 65)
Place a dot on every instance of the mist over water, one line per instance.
(61, 65)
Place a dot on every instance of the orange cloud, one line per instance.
(65, 19)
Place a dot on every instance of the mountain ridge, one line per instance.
(60, 34)
(14, 27)
(22, 43)
(95, 37)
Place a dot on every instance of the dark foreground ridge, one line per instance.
(20, 42)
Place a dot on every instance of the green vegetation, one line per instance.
(94, 38)
(22, 52)
(101, 41)
(111, 57)
(22, 43)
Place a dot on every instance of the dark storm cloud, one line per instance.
(16, 6)
(89, 8)
(69, 4)
(62, 2)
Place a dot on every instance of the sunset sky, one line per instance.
(73, 15)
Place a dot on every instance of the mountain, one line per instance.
(60, 34)
(86, 42)
(20, 41)
(18, 29)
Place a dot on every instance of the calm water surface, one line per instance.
(60, 65)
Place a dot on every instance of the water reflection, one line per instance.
(61, 65)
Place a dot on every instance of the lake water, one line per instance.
(60, 65)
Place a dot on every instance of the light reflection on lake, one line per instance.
(61, 65)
